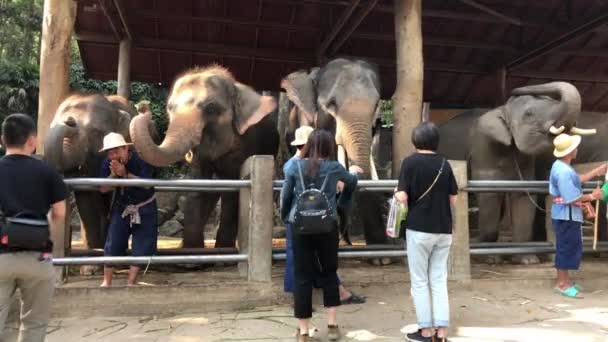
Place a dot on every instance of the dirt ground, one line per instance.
(502, 303)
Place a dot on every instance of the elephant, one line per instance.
(342, 96)
(219, 123)
(504, 143)
(72, 144)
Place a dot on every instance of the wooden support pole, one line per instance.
(124, 68)
(57, 26)
(407, 100)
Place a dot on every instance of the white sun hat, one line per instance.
(113, 140)
(565, 144)
(302, 135)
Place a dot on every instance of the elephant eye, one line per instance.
(212, 110)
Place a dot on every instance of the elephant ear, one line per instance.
(251, 107)
(494, 125)
(124, 120)
(300, 90)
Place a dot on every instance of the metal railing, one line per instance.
(216, 185)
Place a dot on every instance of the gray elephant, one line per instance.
(72, 145)
(504, 143)
(219, 122)
(342, 96)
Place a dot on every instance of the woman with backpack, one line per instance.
(308, 204)
(428, 187)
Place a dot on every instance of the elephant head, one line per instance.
(533, 116)
(208, 110)
(343, 91)
(77, 130)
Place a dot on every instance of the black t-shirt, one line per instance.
(432, 214)
(29, 185)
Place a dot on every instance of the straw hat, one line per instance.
(302, 135)
(113, 140)
(565, 144)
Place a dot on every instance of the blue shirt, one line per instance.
(292, 186)
(564, 182)
(131, 195)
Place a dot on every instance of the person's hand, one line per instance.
(597, 194)
(117, 168)
(340, 186)
(601, 170)
(355, 169)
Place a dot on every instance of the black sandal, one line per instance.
(354, 299)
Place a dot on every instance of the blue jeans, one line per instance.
(427, 259)
(290, 274)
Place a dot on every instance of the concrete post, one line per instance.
(244, 210)
(124, 69)
(460, 258)
(261, 219)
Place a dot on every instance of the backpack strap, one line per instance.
(301, 176)
(434, 181)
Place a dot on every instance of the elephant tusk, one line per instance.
(583, 131)
(189, 156)
(556, 131)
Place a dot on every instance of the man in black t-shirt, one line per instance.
(28, 186)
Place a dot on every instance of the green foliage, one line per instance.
(20, 22)
(386, 110)
(18, 89)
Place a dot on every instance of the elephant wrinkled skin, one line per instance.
(219, 123)
(504, 144)
(72, 145)
(342, 96)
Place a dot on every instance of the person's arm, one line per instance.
(597, 172)
(402, 190)
(57, 212)
(105, 173)
(287, 196)
(571, 193)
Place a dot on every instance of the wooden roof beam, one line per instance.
(346, 14)
(576, 32)
(438, 41)
(492, 12)
(122, 14)
(357, 21)
(114, 22)
(151, 15)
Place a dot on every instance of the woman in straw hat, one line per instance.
(566, 213)
(133, 208)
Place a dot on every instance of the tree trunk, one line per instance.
(57, 27)
(407, 100)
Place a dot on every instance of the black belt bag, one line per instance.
(25, 233)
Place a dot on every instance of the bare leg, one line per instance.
(344, 293)
(331, 316)
(107, 276)
(563, 279)
(442, 332)
(133, 271)
(303, 324)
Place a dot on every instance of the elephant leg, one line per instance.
(522, 220)
(93, 218)
(602, 232)
(371, 211)
(198, 208)
(227, 233)
(522, 217)
(490, 205)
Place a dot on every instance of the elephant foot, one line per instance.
(381, 261)
(89, 270)
(525, 259)
(493, 259)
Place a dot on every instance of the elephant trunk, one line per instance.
(181, 136)
(356, 137)
(568, 95)
(59, 149)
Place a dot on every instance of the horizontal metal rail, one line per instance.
(151, 260)
(175, 183)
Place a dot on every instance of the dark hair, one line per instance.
(320, 145)
(16, 129)
(425, 136)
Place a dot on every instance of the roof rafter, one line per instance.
(493, 12)
(357, 21)
(346, 14)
